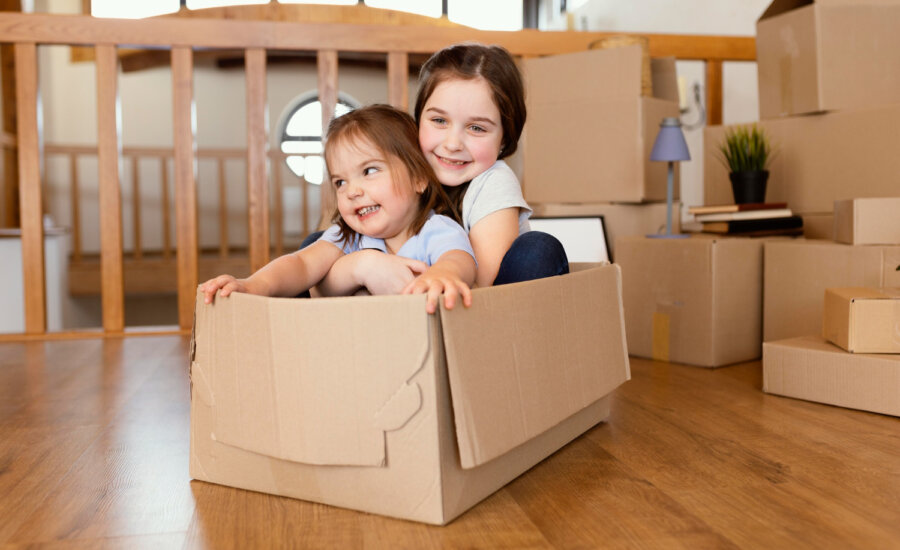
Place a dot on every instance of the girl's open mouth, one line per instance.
(366, 210)
(452, 162)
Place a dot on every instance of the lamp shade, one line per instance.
(670, 144)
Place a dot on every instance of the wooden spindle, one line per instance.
(138, 252)
(257, 182)
(166, 216)
(30, 199)
(75, 202)
(223, 209)
(398, 79)
(186, 232)
(109, 148)
(327, 65)
(713, 92)
(279, 208)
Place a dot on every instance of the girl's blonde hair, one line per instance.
(395, 134)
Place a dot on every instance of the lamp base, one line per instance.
(668, 236)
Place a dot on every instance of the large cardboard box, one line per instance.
(696, 301)
(867, 221)
(797, 272)
(370, 403)
(589, 132)
(863, 320)
(812, 369)
(620, 220)
(826, 55)
(819, 159)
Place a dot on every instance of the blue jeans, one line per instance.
(533, 255)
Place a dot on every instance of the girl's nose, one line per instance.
(354, 190)
(452, 142)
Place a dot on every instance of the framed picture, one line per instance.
(584, 238)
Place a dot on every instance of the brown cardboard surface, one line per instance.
(867, 221)
(827, 55)
(797, 272)
(290, 408)
(589, 132)
(620, 219)
(696, 301)
(818, 226)
(812, 369)
(819, 159)
(498, 362)
(863, 320)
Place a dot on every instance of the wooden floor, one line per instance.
(94, 454)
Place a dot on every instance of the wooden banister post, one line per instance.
(184, 126)
(327, 64)
(398, 79)
(713, 92)
(30, 199)
(257, 142)
(109, 160)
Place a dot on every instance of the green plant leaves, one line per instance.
(746, 148)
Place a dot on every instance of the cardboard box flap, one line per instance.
(866, 293)
(783, 6)
(513, 377)
(340, 393)
(601, 75)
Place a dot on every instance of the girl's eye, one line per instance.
(476, 128)
(338, 183)
(440, 121)
(369, 170)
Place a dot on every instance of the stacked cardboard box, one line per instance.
(589, 135)
(850, 295)
(828, 79)
(696, 301)
(370, 403)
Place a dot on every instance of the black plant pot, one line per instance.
(750, 186)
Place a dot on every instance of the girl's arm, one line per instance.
(452, 274)
(491, 238)
(374, 270)
(288, 275)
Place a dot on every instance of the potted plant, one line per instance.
(746, 152)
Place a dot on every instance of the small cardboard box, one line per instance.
(863, 320)
(827, 55)
(589, 132)
(620, 220)
(797, 272)
(819, 159)
(696, 301)
(812, 369)
(867, 221)
(369, 403)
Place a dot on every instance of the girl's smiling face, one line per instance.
(460, 131)
(371, 198)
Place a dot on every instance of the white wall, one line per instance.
(719, 17)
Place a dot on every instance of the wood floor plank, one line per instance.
(94, 438)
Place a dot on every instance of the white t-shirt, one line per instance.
(494, 189)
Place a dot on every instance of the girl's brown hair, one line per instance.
(395, 134)
(492, 63)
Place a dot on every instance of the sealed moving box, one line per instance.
(370, 403)
(827, 55)
(590, 133)
(797, 272)
(863, 320)
(867, 221)
(812, 369)
(619, 220)
(819, 159)
(696, 301)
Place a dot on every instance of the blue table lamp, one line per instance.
(670, 146)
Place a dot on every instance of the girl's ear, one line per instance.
(420, 186)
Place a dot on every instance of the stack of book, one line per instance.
(754, 220)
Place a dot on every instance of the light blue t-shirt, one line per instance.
(440, 234)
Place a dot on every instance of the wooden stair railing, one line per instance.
(26, 31)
